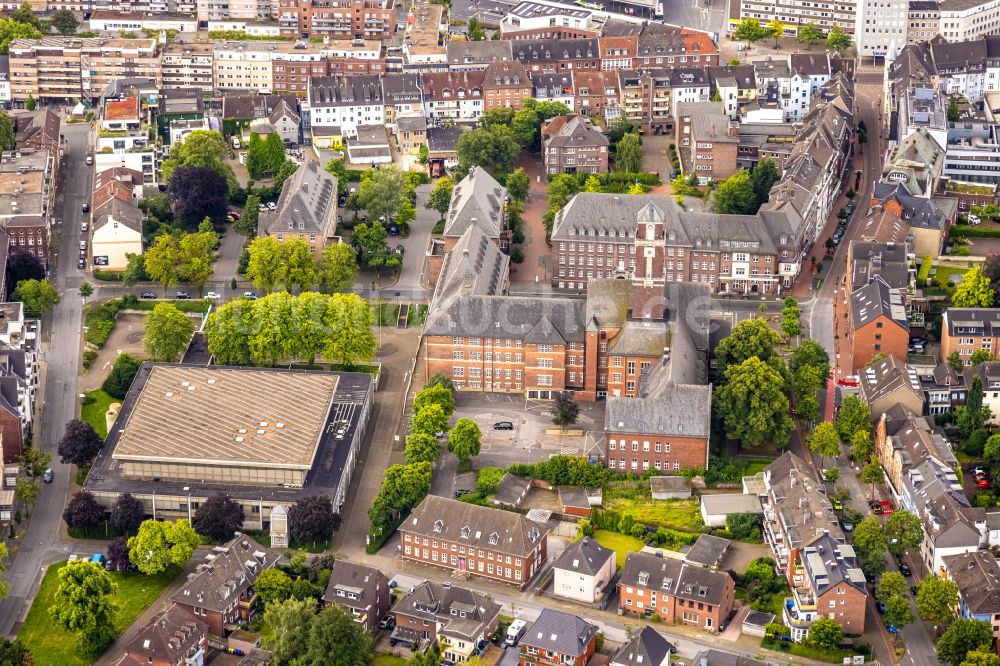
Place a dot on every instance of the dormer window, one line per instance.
(438, 525)
(494, 539)
(464, 533)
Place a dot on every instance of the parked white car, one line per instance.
(213, 296)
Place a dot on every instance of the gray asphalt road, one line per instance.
(41, 544)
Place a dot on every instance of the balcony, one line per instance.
(795, 618)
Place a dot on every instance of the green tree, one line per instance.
(403, 487)
(955, 362)
(161, 544)
(38, 296)
(735, 195)
(13, 653)
(351, 340)
(201, 148)
(286, 626)
(775, 28)
(423, 154)
(86, 290)
(264, 155)
(34, 462)
(135, 271)
(338, 266)
(628, 154)
(26, 491)
(891, 584)
(861, 445)
(83, 605)
(751, 337)
(753, 405)
(592, 184)
(380, 193)
(273, 586)
(853, 415)
(762, 178)
(974, 291)
(937, 599)
(809, 34)
(6, 132)
(335, 639)
(973, 415)
(11, 30)
(565, 411)
(439, 198)
(980, 356)
(790, 325)
(825, 634)
(954, 115)
(464, 439)
(167, 332)
(435, 395)
(430, 420)
(897, 611)
(64, 21)
(837, 40)
(249, 217)
(872, 473)
(561, 189)
(6, 29)
(824, 441)
(984, 657)
(421, 447)
(298, 267)
(750, 31)
(495, 148)
(961, 638)
(903, 530)
(163, 261)
(226, 333)
(264, 267)
(518, 184)
(870, 544)
(197, 256)
(373, 251)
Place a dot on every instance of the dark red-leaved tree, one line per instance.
(219, 517)
(83, 511)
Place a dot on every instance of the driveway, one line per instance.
(415, 245)
(126, 338)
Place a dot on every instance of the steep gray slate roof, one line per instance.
(121, 212)
(477, 200)
(647, 648)
(362, 580)
(559, 632)
(526, 318)
(828, 563)
(977, 575)
(219, 581)
(720, 658)
(308, 203)
(585, 556)
(675, 577)
(466, 54)
(877, 299)
(681, 412)
(474, 267)
(972, 321)
(460, 611)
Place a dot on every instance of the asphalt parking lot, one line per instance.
(528, 441)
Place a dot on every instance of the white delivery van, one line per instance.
(514, 632)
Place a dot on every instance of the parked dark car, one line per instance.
(503, 425)
(183, 295)
(81, 264)
(147, 294)
(462, 491)
(905, 570)
(86, 208)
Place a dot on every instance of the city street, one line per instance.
(58, 400)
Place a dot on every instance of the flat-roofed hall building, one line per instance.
(264, 436)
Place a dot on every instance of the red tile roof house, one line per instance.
(492, 543)
(558, 639)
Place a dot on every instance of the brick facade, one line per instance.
(635, 452)
(879, 336)
(506, 84)
(338, 19)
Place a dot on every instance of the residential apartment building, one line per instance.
(346, 103)
(583, 571)
(707, 141)
(188, 65)
(646, 648)
(969, 19)
(306, 210)
(27, 194)
(361, 591)
(797, 13)
(554, 56)
(977, 576)
(826, 581)
(556, 638)
(795, 511)
(476, 56)
(71, 67)
(665, 46)
(492, 543)
(596, 94)
(923, 21)
(456, 618)
(534, 19)
(680, 593)
(506, 84)
(904, 439)
(220, 593)
(453, 96)
(337, 19)
(174, 637)
(570, 144)
(967, 330)
(877, 323)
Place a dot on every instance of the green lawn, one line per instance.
(681, 515)
(387, 660)
(756, 465)
(807, 651)
(95, 411)
(50, 644)
(620, 543)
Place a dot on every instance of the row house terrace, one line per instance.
(337, 19)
